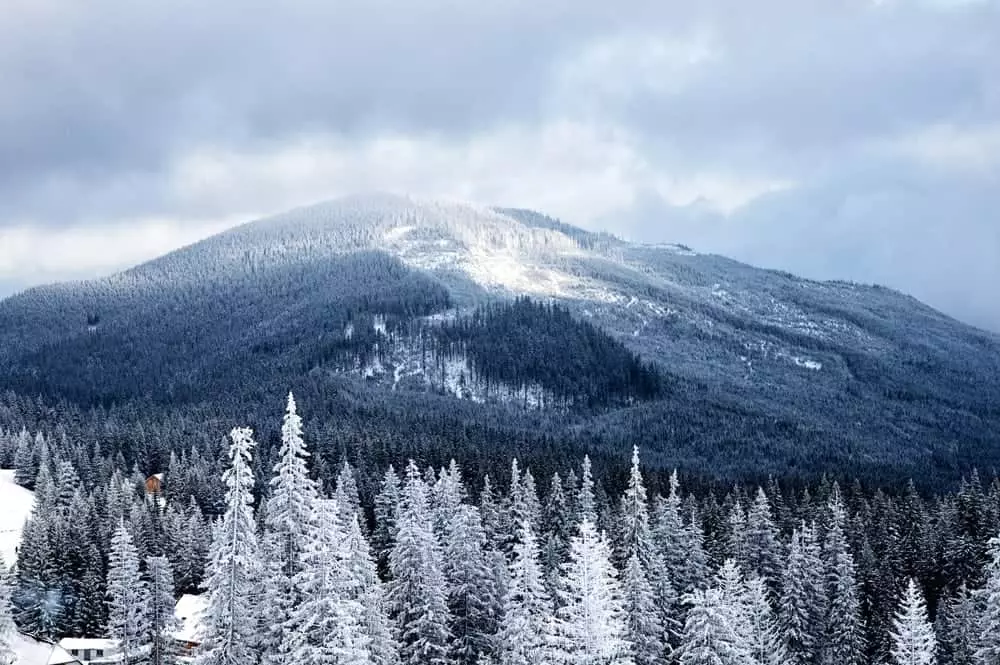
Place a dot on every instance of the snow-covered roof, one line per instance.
(189, 611)
(31, 651)
(83, 643)
(158, 476)
(17, 504)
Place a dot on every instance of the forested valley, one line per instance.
(332, 556)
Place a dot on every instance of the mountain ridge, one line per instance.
(791, 369)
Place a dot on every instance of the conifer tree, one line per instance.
(160, 610)
(957, 629)
(912, 634)
(988, 647)
(325, 626)
(798, 610)
(386, 517)
(586, 506)
(558, 530)
(288, 530)
(708, 637)
(472, 594)
(642, 563)
(765, 643)
(762, 556)
(234, 567)
(843, 639)
(527, 607)
(417, 590)
(128, 622)
(8, 630)
(590, 627)
(365, 588)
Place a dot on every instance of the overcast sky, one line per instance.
(833, 138)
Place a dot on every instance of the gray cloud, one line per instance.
(867, 114)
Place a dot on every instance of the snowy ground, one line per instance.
(15, 506)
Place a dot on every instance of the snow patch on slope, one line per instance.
(16, 504)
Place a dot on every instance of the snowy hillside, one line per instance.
(759, 367)
(15, 507)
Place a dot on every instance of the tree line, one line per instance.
(437, 566)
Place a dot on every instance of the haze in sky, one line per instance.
(849, 139)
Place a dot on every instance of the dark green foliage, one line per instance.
(527, 343)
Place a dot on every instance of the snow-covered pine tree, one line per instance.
(128, 621)
(765, 643)
(472, 595)
(527, 607)
(366, 588)
(590, 627)
(586, 503)
(912, 634)
(7, 628)
(645, 629)
(386, 517)
(762, 556)
(325, 628)
(642, 563)
(988, 647)
(708, 637)
(844, 634)
(557, 531)
(234, 567)
(347, 496)
(957, 628)
(288, 530)
(160, 611)
(417, 591)
(797, 610)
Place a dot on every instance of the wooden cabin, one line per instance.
(154, 484)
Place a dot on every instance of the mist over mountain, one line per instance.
(430, 316)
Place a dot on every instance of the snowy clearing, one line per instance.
(17, 503)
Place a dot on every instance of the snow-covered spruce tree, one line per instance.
(160, 610)
(128, 621)
(417, 591)
(287, 532)
(729, 581)
(844, 633)
(708, 637)
(586, 503)
(348, 499)
(325, 626)
(590, 627)
(366, 588)
(557, 531)
(386, 517)
(527, 607)
(988, 647)
(7, 628)
(234, 567)
(764, 642)
(912, 635)
(797, 604)
(762, 556)
(957, 628)
(641, 564)
(472, 594)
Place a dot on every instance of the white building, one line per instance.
(88, 650)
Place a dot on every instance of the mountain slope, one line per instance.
(763, 372)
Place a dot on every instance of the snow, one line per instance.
(808, 363)
(398, 232)
(31, 651)
(17, 504)
(189, 611)
(86, 643)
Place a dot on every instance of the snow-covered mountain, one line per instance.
(795, 370)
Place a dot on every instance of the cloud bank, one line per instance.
(848, 139)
